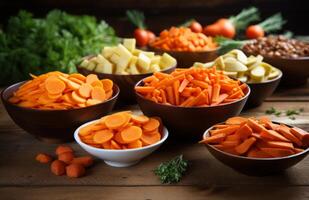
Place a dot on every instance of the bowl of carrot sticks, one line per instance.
(185, 45)
(256, 146)
(121, 139)
(191, 100)
(52, 105)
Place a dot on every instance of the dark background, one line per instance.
(164, 13)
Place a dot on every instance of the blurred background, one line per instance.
(161, 14)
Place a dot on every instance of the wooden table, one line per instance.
(21, 177)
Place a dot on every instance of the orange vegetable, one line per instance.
(66, 157)
(63, 149)
(256, 138)
(86, 161)
(191, 87)
(56, 90)
(122, 130)
(57, 167)
(75, 170)
(43, 158)
(183, 39)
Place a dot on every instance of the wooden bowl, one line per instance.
(295, 70)
(260, 91)
(189, 123)
(126, 83)
(54, 126)
(255, 166)
(186, 59)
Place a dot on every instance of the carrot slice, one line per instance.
(245, 146)
(107, 84)
(151, 125)
(141, 119)
(282, 145)
(78, 99)
(91, 102)
(98, 93)
(54, 85)
(218, 138)
(85, 90)
(227, 131)
(286, 132)
(256, 153)
(273, 135)
(91, 78)
(244, 132)
(135, 144)
(256, 127)
(236, 120)
(299, 133)
(115, 145)
(131, 134)
(115, 121)
(97, 83)
(150, 139)
(102, 136)
(107, 145)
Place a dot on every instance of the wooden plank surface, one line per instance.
(155, 193)
(23, 178)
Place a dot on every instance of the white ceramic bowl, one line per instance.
(120, 158)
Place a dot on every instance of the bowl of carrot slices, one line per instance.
(191, 100)
(121, 139)
(256, 146)
(186, 46)
(51, 106)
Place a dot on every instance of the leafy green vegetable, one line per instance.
(57, 42)
(172, 171)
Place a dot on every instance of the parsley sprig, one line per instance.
(172, 171)
(289, 113)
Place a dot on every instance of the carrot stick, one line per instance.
(245, 146)
(215, 93)
(170, 95)
(273, 135)
(183, 85)
(286, 132)
(218, 138)
(176, 85)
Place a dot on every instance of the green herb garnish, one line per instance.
(172, 171)
(289, 113)
(273, 111)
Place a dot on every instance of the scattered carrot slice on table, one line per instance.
(192, 87)
(122, 130)
(257, 138)
(57, 90)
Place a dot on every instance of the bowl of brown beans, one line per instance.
(291, 56)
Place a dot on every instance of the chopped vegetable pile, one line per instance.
(237, 65)
(192, 87)
(54, 43)
(257, 138)
(183, 39)
(122, 130)
(57, 90)
(173, 170)
(126, 59)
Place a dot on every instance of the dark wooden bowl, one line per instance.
(255, 166)
(186, 59)
(126, 83)
(260, 91)
(54, 126)
(296, 71)
(189, 123)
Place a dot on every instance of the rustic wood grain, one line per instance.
(155, 193)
